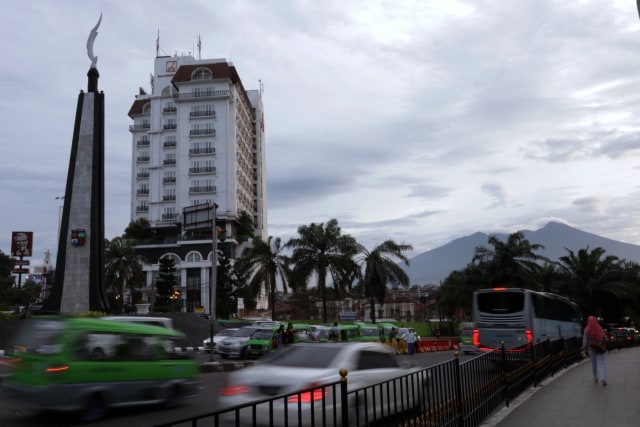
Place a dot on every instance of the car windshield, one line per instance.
(315, 356)
(323, 333)
(244, 332)
(369, 331)
(227, 332)
(39, 336)
(262, 334)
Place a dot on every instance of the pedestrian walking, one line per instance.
(594, 344)
(410, 337)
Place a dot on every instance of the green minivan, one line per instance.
(87, 366)
(261, 341)
(368, 331)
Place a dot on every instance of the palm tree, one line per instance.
(320, 250)
(381, 268)
(510, 263)
(456, 292)
(599, 285)
(123, 269)
(263, 262)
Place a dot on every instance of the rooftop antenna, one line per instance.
(199, 46)
(158, 45)
(261, 85)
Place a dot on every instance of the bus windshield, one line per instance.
(501, 302)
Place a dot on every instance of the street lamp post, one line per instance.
(212, 280)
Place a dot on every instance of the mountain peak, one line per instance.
(433, 266)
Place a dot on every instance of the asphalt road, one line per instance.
(14, 415)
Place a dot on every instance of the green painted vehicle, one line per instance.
(348, 333)
(466, 339)
(320, 333)
(385, 330)
(262, 341)
(368, 331)
(87, 366)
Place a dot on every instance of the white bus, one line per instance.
(521, 318)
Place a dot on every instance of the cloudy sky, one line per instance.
(420, 121)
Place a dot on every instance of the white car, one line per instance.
(226, 332)
(307, 365)
(236, 345)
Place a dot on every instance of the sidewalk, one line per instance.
(571, 399)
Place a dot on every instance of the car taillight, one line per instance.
(308, 396)
(529, 335)
(56, 369)
(476, 337)
(234, 389)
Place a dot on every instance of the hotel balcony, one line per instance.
(202, 132)
(202, 151)
(139, 127)
(207, 93)
(202, 189)
(196, 114)
(202, 170)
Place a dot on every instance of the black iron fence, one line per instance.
(452, 393)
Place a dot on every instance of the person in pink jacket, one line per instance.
(594, 344)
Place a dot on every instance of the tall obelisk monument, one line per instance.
(79, 275)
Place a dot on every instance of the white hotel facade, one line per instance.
(197, 139)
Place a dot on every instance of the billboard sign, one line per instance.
(21, 243)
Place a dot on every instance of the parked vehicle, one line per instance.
(320, 333)
(302, 332)
(226, 332)
(385, 330)
(633, 332)
(466, 339)
(305, 365)
(348, 332)
(236, 345)
(369, 332)
(620, 337)
(88, 366)
(262, 341)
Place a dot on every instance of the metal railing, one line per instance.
(447, 394)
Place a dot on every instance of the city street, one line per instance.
(12, 415)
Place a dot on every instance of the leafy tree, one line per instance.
(512, 263)
(138, 230)
(599, 284)
(246, 226)
(227, 288)
(456, 292)
(320, 250)
(165, 285)
(7, 297)
(262, 263)
(381, 268)
(123, 270)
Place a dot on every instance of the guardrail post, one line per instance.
(458, 382)
(505, 382)
(344, 401)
